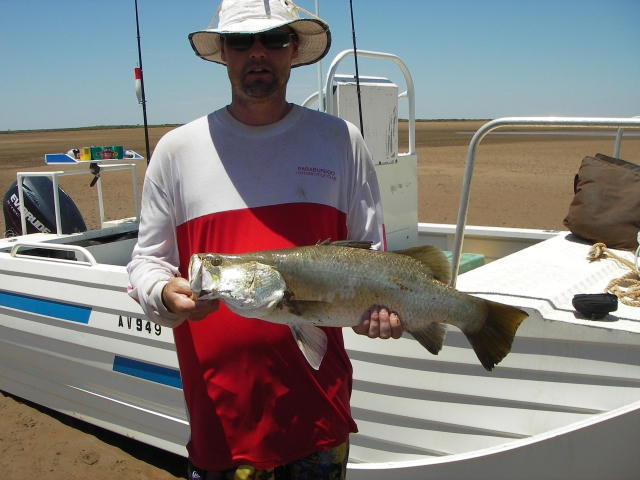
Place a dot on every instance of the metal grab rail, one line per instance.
(531, 122)
(56, 200)
(378, 56)
(90, 259)
(616, 147)
(316, 97)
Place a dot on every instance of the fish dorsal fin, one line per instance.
(432, 257)
(312, 342)
(431, 337)
(365, 245)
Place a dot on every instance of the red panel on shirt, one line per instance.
(260, 402)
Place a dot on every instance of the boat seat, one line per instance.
(468, 261)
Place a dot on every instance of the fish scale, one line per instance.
(396, 281)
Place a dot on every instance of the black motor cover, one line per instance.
(39, 209)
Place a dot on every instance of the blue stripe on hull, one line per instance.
(146, 371)
(63, 311)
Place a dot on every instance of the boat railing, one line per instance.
(93, 167)
(407, 94)
(616, 147)
(529, 122)
(89, 259)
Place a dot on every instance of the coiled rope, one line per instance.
(627, 287)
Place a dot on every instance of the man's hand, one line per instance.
(379, 322)
(177, 297)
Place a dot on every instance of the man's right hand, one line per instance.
(177, 297)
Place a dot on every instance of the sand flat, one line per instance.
(531, 175)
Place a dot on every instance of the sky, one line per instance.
(70, 63)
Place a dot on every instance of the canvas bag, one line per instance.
(606, 204)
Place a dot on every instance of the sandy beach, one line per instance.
(523, 181)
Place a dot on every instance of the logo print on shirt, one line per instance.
(317, 172)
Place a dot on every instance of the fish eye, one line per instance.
(213, 260)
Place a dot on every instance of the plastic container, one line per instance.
(118, 151)
(85, 153)
(106, 153)
(95, 153)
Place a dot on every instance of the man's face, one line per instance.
(258, 73)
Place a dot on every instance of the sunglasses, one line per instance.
(271, 39)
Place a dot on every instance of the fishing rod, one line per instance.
(142, 98)
(321, 107)
(355, 56)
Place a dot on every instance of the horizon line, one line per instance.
(160, 125)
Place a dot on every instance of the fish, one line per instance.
(332, 284)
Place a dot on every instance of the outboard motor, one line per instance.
(39, 209)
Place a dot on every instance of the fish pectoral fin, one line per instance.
(432, 257)
(431, 337)
(312, 342)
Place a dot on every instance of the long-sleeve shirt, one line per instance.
(217, 185)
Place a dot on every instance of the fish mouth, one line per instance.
(202, 281)
(195, 275)
(209, 283)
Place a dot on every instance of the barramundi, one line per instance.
(332, 285)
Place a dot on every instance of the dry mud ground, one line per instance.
(521, 181)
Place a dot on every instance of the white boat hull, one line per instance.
(563, 404)
(549, 404)
(601, 447)
(71, 339)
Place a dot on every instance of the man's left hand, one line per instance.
(379, 322)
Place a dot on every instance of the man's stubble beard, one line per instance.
(262, 90)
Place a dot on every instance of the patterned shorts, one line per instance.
(322, 465)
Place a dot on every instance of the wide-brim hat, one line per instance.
(256, 16)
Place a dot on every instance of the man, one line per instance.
(237, 181)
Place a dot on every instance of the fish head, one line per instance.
(249, 288)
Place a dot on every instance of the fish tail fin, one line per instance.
(493, 342)
(431, 337)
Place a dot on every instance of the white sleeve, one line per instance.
(365, 220)
(155, 257)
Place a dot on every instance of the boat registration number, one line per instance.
(139, 325)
